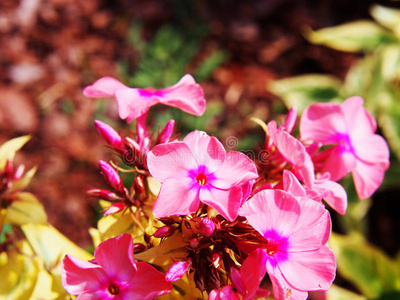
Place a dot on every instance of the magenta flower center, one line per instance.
(201, 179)
(272, 249)
(113, 289)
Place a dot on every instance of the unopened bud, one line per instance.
(206, 227)
(111, 176)
(164, 232)
(291, 119)
(216, 260)
(102, 194)
(166, 133)
(114, 208)
(177, 270)
(194, 243)
(109, 134)
(138, 247)
(138, 185)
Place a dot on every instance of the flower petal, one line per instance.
(367, 178)
(340, 162)
(321, 122)
(208, 151)
(237, 168)
(79, 276)
(103, 87)
(170, 160)
(177, 196)
(253, 271)
(292, 185)
(148, 283)
(310, 270)
(98, 295)
(359, 121)
(122, 266)
(373, 149)
(282, 289)
(186, 95)
(272, 210)
(226, 202)
(132, 103)
(333, 193)
(313, 227)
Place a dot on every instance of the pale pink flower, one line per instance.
(186, 95)
(350, 130)
(199, 170)
(296, 232)
(114, 276)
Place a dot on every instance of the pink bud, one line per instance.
(216, 260)
(166, 133)
(111, 176)
(206, 227)
(102, 194)
(177, 270)
(194, 243)
(114, 208)
(236, 279)
(164, 232)
(108, 134)
(291, 119)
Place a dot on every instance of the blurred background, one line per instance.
(237, 50)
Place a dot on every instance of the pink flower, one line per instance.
(115, 275)
(296, 232)
(293, 151)
(332, 192)
(350, 129)
(199, 170)
(186, 95)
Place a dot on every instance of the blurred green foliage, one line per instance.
(376, 78)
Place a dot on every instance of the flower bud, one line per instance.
(109, 134)
(291, 119)
(138, 247)
(206, 227)
(177, 270)
(194, 243)
(166, 133)
(216, 260)
(164, 232)
(114, 208)
(102, 194)
(138, 185)
(111, 176)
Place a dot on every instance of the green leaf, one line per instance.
(356, 36)
(364, 265)
(302, 91)
(26, 208)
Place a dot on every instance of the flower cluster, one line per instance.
(211, 223)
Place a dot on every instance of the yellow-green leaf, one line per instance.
(26, 208)
(338, 293)
(302, 91)
(48, 243)
(23, 182)
(166, 253)
(387, 17)
(8, 149)
(355, 36)
(367, 267)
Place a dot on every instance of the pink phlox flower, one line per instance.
(350, 129)
(296, 233)
(332, 192)
(293, 152)
(290, 121)
(186, 95)
(115, 275)
(198, 169)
